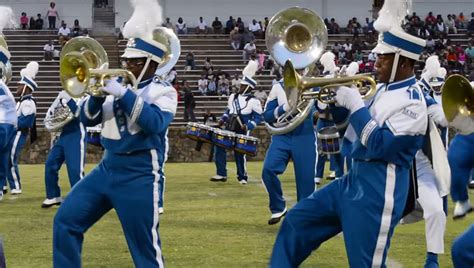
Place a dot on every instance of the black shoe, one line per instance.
(5, 191)
(471, 184)
(272, 221)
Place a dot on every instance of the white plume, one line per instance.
(6, 18)
(31, 69)
(147, 15)
(442, 72)
(392, 14)
(250, 69)
(327, 60)
(23, 72)
(432, 66)
(352, 69)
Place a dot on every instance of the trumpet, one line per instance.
(84, 68)
(458, 103)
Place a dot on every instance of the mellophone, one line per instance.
(223, 138)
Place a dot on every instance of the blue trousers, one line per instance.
(221, 163)
(337, 162)
(7, 132)
(69, 148)
(461, 161)
(161, 183)
(365, 205)
(302, 150)
(462, 251)
(129, 184)
(16, 145)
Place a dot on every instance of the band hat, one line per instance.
(437, 81)
(4, 55)
(141, 48)
(397, 41)
(248, 72)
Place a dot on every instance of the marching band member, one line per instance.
(368, 202)
(26, 112)
(432, 173)
(462, 251)
(461, 161)
(329, 115)
(69, 147)
(8, 118)
(243, 114)
(297, 145)
(135, 123)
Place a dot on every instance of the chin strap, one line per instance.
(394, 66)
(246, 89)
(145, 67)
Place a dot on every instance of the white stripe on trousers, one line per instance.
(12, 157)
(386, 220)
(154, 232)
(83, 133)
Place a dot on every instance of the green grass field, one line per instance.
(205, 225)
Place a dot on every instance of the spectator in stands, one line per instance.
(369, 26)
(32, 23)
(255, 28)
(359, 56)
(64, 34)
(430, 44)
(247, 37)
(223, 86)
(101, 3)
(181, 26)
(261, 95)
(336, 47)
(217, 26)
(189, 102)
(236, 83)
(239, 23)
(372, 57)
(249, 49)
(265, 25)
(52, 14)
(469, 56)
(347, 46)
(208, 68)
(202, 26)
(450, 25)
(430, 19)
(423, 32)
(76, 29)
(334, 27)
(470, 26)
(440, 28)
(172, 76)
(356, 27)
(189, 65)
(229, 25)
(452, 59)
(212, 87)
(462, 60)
(370, 40)
(235, 38)
(261, 59)
(48, 51)
(461, 21)
(202, 84)
(24, 21)
(168, 24)
(39, 22)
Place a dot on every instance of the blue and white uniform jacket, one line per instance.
(8, 117)
(274, 108)
(26, 112)
(250, 110)
(139, 120)
(392, 126)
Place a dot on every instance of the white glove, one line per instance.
(286, 107)
(114, 88)
(64, 97)
(349, 97)
(436, 113)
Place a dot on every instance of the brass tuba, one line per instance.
(297, 37)
(6, 69)
(168, 38)
(57, 117)
(84, 68)
(458, 103)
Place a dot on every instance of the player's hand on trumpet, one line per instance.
(349, 98)
(113, 87)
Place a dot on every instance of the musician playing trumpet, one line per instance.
(69, 147)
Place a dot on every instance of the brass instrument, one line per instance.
(297, 37)
(6, 69)
(84, 68)
(458, 103)
(57, 117)
(167, 37)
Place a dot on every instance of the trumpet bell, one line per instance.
(92, 50)
(74, 69)
(167, 37)
(458, 101)
(298, 34)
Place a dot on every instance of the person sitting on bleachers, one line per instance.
(172, 76)
(229, 25)
(235, 38)
(181, 26)
(208, 68)
(470, 26)
(212, 87)
(64, 34)
(39, 22)
(255, 28)
(24, 21)
(202, 84)
(249, 49)
(48, 51)
(190, 64)
(217, 26)
(202, 26)
(450, 24)
(261, 95)
(223, 86)
(235, 83)
(168, 24)
(76, 29)
(334, 27)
